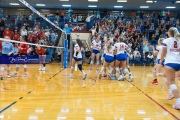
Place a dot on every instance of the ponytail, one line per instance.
(178, 37)
(109, 45)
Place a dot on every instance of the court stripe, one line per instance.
(4, 109)
(156, 102)
(8, 106)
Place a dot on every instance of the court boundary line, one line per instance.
(156, 102)
(13, 103)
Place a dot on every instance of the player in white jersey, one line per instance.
(158, 66)
(77, 58)
(171, 53)
(96, 48)
(121, 57)
(108, 59)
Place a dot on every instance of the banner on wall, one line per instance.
(19, 59)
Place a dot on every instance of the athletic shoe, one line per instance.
(43, 69)
(154, 82)
(8, 75)
(170, 96)
(15, 75)
(40, 69)
(176, 105)
(130, 78)
(121, 78)
(71, 76)
(84, 76)
(25, 75)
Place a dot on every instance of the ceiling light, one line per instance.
(66, 5)
(144, 6)
(92, 5)
(40, 5)
(150, 1)
(177, 1)
(92, 0)
(121, 0)
(170, 7)
(63, 0)
(118, 6)
(44, 10)
(14, 3)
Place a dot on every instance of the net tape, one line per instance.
(15, 41)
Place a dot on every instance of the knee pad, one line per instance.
(25, 66)
(92, 62)
(72, 67)
(117, 69)
(17, 65)
(173, 87)
(128, 66)
(97, 62)
(80, 67)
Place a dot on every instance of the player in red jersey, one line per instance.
(23, 48)
(42, 57)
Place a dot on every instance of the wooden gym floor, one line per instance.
(51, 95)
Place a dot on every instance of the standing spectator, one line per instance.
(68, 31)
(157, 33)
(47, 34)
(23, 32)
(53, 36)
(12, 21)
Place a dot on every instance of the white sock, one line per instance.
(83, 72)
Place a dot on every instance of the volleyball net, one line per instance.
(55, 46)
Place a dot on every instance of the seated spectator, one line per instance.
(137, 59)
(15, 36)
(136, 52)
(7, 32)
(150, 58)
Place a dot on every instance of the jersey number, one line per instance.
(121, 47)
(175, 44)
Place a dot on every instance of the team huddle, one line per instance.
(115, 58)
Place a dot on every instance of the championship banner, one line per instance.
(19, 59)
